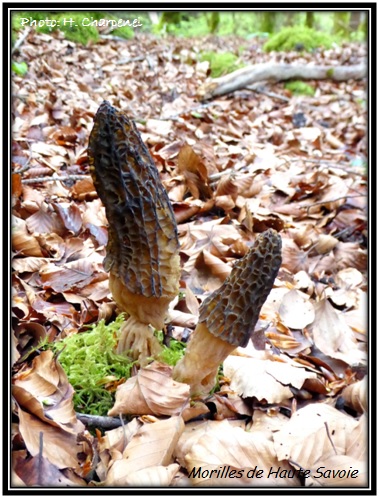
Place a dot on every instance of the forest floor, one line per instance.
(248, 161)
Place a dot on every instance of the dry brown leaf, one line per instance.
(357, 442)
(45, 221)
(296, 311)
(181, 319)
(22, 241)
(195, 173)
(350, 254)
(84, 190)
(339, 471)
(333, 336)
(194, 432)
(355, 395)
(58, 446)
(191, 302)
(44, 391)
(152, 391)
(38, 471)
(73, 274)
(324, 429)
(217, 267)
(264, 379)
(236, 457)
(158, 476)
(325, 243)
(152, 446)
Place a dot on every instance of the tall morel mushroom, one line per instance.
(229, 315)
(143, 249)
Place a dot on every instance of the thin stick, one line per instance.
(106, 423)
(21, 40)
(330, 438)
(268, 94)
(40, 457)
(331, 200)
(43, 179)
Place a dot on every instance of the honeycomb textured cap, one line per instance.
(232, 311)
(142, 234)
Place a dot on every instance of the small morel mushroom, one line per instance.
(143, 248)
(229, 315)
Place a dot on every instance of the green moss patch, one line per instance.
(221, 63)
(300, 88)
(292, 38)
(93, 368)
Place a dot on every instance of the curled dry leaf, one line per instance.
(152, 446)
(217, 267)
(227, 187)
(224, 202)
(59, 446)
(152, 391)
(191, 301)
(195, 173)
(181, 319)
(44, 391)
(355, 396)
(70, 216)
(264, 379)
(22, 242)
(296, 311)
(325, 243)
(333, 336)
(83, 190)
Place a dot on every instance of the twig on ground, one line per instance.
(328, 201)
(260, 89)
(20, 40)
(106, 423)
(43, 179)
(131, 59)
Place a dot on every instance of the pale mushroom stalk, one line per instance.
(228, 316)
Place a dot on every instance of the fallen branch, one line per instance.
(244, 77)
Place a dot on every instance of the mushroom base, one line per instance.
(137, 341)
(203, 356)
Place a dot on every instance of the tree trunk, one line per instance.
(341, 23)
(268, 20)
(310, 19)
(277, 72)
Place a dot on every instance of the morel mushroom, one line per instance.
(229, 315)
(143, 248)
